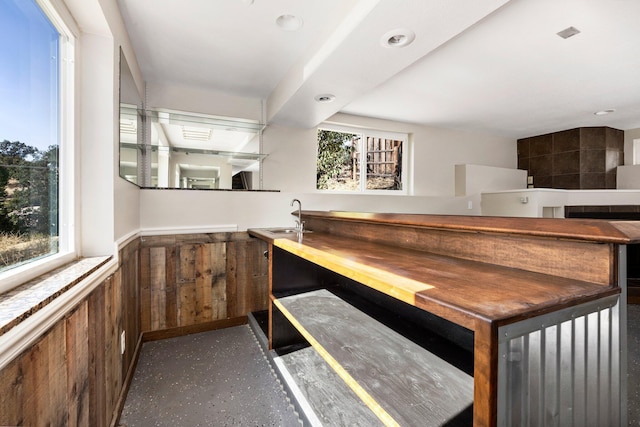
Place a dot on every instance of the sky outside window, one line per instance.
(28, 75)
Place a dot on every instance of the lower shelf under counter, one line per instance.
(399, 381)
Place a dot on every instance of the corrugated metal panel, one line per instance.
(563, 368)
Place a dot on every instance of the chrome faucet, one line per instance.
(299, 221)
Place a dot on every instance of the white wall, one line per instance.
(201, 210)
(628, 177)
(525, 203)
(437, 151)
(629, 136)
(474, 179)
(97, 136)
(291, 162)
(199, 100)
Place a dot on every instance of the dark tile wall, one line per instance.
(581, 158)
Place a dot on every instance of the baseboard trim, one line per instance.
(193, 329)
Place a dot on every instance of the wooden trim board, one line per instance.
(193, 329)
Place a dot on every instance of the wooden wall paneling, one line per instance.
(57, 376)
(77, 344)
(97, 389)
(200, 278)
(171, 286)
(243, 278)
(112, 326)
(218, 271)
(130, 306)
(158, 285)
(203, 302)
(36, 393)
(162, 240)
(252, 268)
(115, 354)
(259, 267)
(187, 266)
(231, 280)
(110, 335)
(187, 303)
(186, 284)
(12, 393)
(145, 288)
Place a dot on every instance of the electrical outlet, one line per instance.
(123, 342)
(470, 204)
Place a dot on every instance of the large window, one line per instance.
(34, 87)
(353, 160)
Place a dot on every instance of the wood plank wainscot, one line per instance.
(400, 319)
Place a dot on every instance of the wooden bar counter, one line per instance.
(534, 297)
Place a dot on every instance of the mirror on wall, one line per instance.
(131, 123)
(198, 151)
(162, 148)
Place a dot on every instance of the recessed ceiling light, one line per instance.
(289, 22)
(604, 112)
(568, 32)
(325, 98)
(399, 37)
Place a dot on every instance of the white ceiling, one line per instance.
(492, 66)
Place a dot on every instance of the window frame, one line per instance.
(60, 18)
(365, 132)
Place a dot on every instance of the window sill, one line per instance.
(23, 301)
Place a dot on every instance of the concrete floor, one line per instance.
(222, 378)
(217, 378)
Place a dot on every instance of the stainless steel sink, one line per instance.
(285, 230)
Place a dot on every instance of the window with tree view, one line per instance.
(360, 161)
(29, 133)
